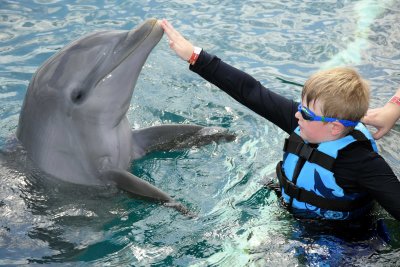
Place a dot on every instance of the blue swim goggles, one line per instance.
(308, 115)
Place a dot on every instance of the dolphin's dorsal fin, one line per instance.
(174, 137)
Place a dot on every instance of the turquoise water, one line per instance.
(238, 222)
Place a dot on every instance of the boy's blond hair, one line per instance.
(342, 92)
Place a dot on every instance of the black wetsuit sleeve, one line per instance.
(247, 91)
(357, 168)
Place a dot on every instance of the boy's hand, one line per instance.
(182, 47)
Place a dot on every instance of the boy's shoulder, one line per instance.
(360, 156)
(358, 165)
(358, 150)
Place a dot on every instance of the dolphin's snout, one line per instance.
(153, 21)
(147, 34)
(150, 26)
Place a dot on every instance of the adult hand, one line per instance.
(382, 119)
(182, 47)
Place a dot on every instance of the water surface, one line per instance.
(239, 222)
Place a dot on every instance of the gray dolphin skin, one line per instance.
(73, 122)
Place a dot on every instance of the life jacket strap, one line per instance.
(302, 195)
(295, 145)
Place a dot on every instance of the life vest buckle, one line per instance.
(304, 151)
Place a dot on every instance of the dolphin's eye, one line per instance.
(77, 96)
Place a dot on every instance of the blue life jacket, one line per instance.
(310, 189)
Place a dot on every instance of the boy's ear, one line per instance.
(337, 128)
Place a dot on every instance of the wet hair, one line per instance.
(342, 92)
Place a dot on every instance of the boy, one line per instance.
(331, 169)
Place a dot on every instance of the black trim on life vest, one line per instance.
(360, 137)
(312, 198)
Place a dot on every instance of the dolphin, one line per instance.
(73, 121)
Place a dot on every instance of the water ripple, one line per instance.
(238, 222)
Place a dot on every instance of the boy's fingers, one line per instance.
(170, 33)
(169, 25)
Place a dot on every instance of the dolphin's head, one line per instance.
(93, 78)
(77, 100)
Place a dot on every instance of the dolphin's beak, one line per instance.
(135, 46)
(149, 31)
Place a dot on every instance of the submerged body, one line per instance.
(73, 122)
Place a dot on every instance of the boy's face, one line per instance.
(315, 132)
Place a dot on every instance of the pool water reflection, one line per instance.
(239, 222)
